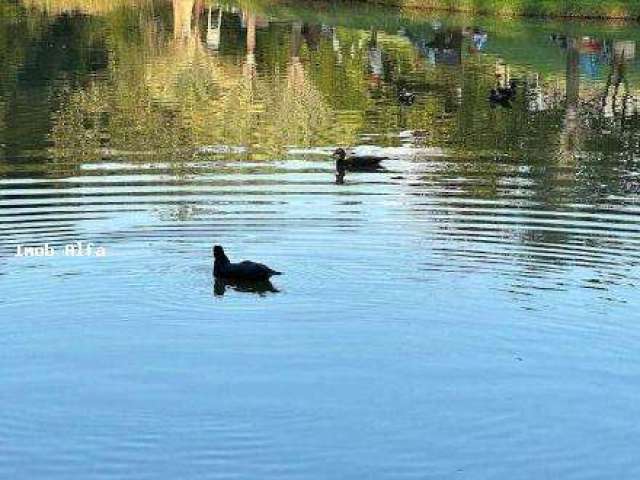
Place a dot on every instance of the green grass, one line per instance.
(628, 9)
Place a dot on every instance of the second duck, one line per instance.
(356, 163)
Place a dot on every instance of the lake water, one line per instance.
(468, 311)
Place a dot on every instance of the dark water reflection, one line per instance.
(220, 287)
(467, 310)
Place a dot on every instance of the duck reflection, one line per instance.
(261, 288)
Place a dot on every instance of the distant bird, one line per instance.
(496, 99)
(406, 98)
(355, 163)
(509, 92)
(244, 271)
(503, 95)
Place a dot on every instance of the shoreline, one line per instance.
(627, 11)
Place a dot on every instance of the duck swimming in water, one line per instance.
(503, 95)
(355, 163)
(509, 92)
(406, 98)
(495, 99)
(245, 271)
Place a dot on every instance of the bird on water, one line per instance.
(509, 92)
(246, 271)
(354, 163)
(503, 96)
(406, 98)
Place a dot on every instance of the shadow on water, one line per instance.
(262, 288)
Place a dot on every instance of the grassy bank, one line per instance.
(628, 9)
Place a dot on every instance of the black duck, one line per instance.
(406, 98)
(246, 271)
(355, 163)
